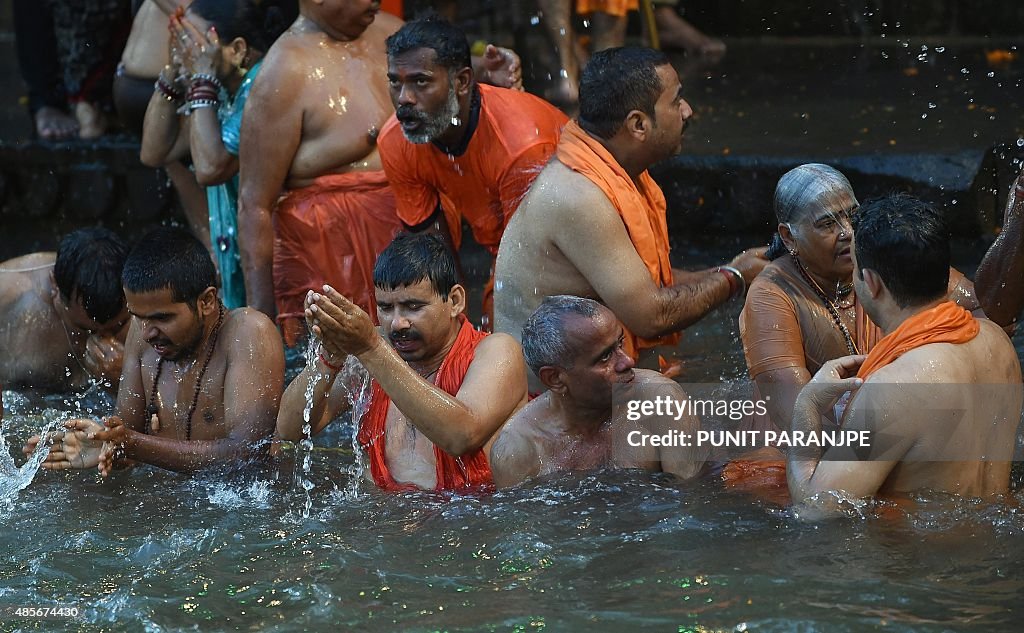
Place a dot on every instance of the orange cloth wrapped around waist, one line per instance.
(611, 7)
(640, 204)
(453, 471)
(330, 232)
(945, 323)
(761, 473)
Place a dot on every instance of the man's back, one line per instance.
(958, 407)
(541, 243)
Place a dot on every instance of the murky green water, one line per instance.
(154, 551)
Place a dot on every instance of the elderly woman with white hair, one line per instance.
(801, 311)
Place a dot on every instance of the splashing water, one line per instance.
(14, 479)
(305, 452)
(356, 381)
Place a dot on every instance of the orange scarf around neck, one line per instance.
(640, 204)
(945, 323)
(453, 472)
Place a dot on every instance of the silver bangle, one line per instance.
(739, 277)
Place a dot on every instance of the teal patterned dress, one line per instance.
(223, 199)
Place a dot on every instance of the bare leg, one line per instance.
(557, 19)
(675, 32)
(607, 31)
(92, 122)
(193, 200)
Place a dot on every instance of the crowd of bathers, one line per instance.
(341, 161)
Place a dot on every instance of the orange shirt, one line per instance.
(514, 137)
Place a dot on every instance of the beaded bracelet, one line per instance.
(167, 91)
(200, 78)
(195, 104)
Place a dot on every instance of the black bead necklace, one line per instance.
(829, 305)
(153, 409)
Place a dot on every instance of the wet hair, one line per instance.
(170, 258)
(544, 334)
(615, 82)
(905, 241)
(802, 189)
(89, 264)
(439, 35)
(412, 257)
(257, 22)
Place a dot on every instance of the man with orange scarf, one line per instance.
(593, 223)
(440, 388)
(940, 393)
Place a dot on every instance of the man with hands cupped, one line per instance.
(440, 389)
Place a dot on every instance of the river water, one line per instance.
(150, 550)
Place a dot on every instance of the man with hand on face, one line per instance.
(593, 223)
(576, 347)
(456, 149)
(201, 385)
(440, 388)
(62, 316)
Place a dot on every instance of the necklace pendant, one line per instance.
(154, 423)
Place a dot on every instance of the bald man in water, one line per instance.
(310, 131)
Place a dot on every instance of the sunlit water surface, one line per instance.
(151, 550)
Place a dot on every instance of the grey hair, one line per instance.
(806, 186)
(544, 333)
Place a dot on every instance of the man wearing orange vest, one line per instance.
(457, 149)
(940, 393)
(593, 223)
(440, 388)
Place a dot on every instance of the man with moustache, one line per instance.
(440, 388)
(200, 386)
(576, 347)
(456, 149)
(593, 223)
(310, 133)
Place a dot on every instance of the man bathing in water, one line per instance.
(576, 347)
(201, 385)
(928, 385)
(310, 130)
(440, 388)
(63, 314)
(456, 148)
(593, 224)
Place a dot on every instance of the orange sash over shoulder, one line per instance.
(640, 204)
(453, 472)
(331, 232)
(945, 323)
(613, 7)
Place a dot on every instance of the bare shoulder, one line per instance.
(497, 346)
(247, 324)
(283, 64)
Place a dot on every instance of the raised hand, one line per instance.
(750, 263)
(342, 326)
(501, 67)
(71, 448)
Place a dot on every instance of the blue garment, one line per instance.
(223, 199)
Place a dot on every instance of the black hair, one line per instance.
(905, 241)
(170, 258)
(412, 257)
(439, 35)
(258, 22)
(88, 266)
(615, 82)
